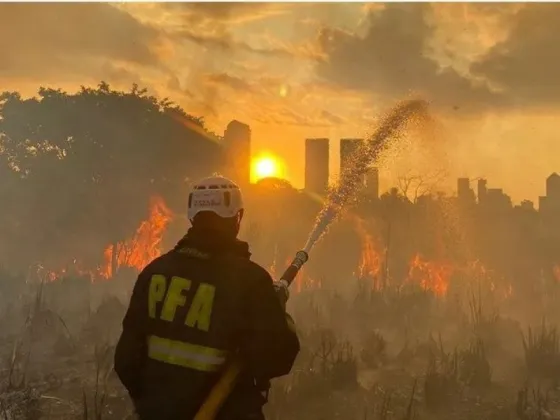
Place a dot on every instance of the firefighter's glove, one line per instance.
(282, 291)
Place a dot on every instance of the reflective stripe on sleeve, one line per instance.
(187, 355)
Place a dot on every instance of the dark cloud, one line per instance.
(120, 74)
(37, 39)
(527, 64)
(290, 116)
(224, 41)
(391, 60)
(174, 84)
(232, 82)
(229, 12)
(210, 25)
(332, 118)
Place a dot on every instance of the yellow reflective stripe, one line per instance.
(187, 355)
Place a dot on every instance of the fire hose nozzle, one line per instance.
(302, 256)
(292, 271)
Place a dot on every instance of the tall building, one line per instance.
(372, 183)
(463, 186)
(317, 165)
(348, 147)
(464, 192)
(482, 190)
(550, 203)
(543, 204)
(553, 187)
(237, 140)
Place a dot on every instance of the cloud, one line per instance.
(221, 39)
(38, 39)
(391, 60)
(227, 12)
(332, 118)
(236, 28)
(527, 63)
(274, 113)
(224, 79)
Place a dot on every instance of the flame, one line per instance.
(477, 275)
(274, 265)
(144, 246)
(478, 269)
(305, 282)
(430, 275)
(509, 291)
(302, 280)
(556, 273)
(272, 269)
(370, 259)
(75, 269)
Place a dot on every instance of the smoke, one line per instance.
(349, 184)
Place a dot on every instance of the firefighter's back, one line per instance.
(195, 310)
(193, 307)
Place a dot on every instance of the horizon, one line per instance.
(293, 71)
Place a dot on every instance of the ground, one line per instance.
(376, 356)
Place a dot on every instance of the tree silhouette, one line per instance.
(79, 169)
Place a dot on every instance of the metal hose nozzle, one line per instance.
(292, 271)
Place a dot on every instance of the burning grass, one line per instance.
(143, 247)
(381, 368)
(368, 354)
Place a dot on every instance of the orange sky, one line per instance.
(293, 71)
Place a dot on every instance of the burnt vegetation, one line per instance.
(422, 307)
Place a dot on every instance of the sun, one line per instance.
(266, 166)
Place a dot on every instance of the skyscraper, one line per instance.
(553, 187)
(463, 187)
(348, 147)
(317, 165)
(237, 140)
(550, 204)
(464, 192)
(482, 190)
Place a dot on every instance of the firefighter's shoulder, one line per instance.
(257, 273)
(157, 265)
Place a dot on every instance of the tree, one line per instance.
(413, 186)
(82, 168)
(275, 184)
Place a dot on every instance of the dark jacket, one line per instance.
(192, 309)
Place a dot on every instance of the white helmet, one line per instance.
(216, 194)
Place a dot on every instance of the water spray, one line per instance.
(360, 163)
(337, 198)
(349, 183)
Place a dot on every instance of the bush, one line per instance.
(373, 353)
(441, 381)
(474, 368)
(542, 355)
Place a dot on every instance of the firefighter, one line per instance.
(198, 306)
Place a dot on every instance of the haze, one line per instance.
(428, 294)
(293, 71)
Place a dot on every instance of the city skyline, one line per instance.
(239, 164)
(296, 71)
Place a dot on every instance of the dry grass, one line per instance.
(360, 359)
(542, 354)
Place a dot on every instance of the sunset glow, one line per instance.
(266, 166)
